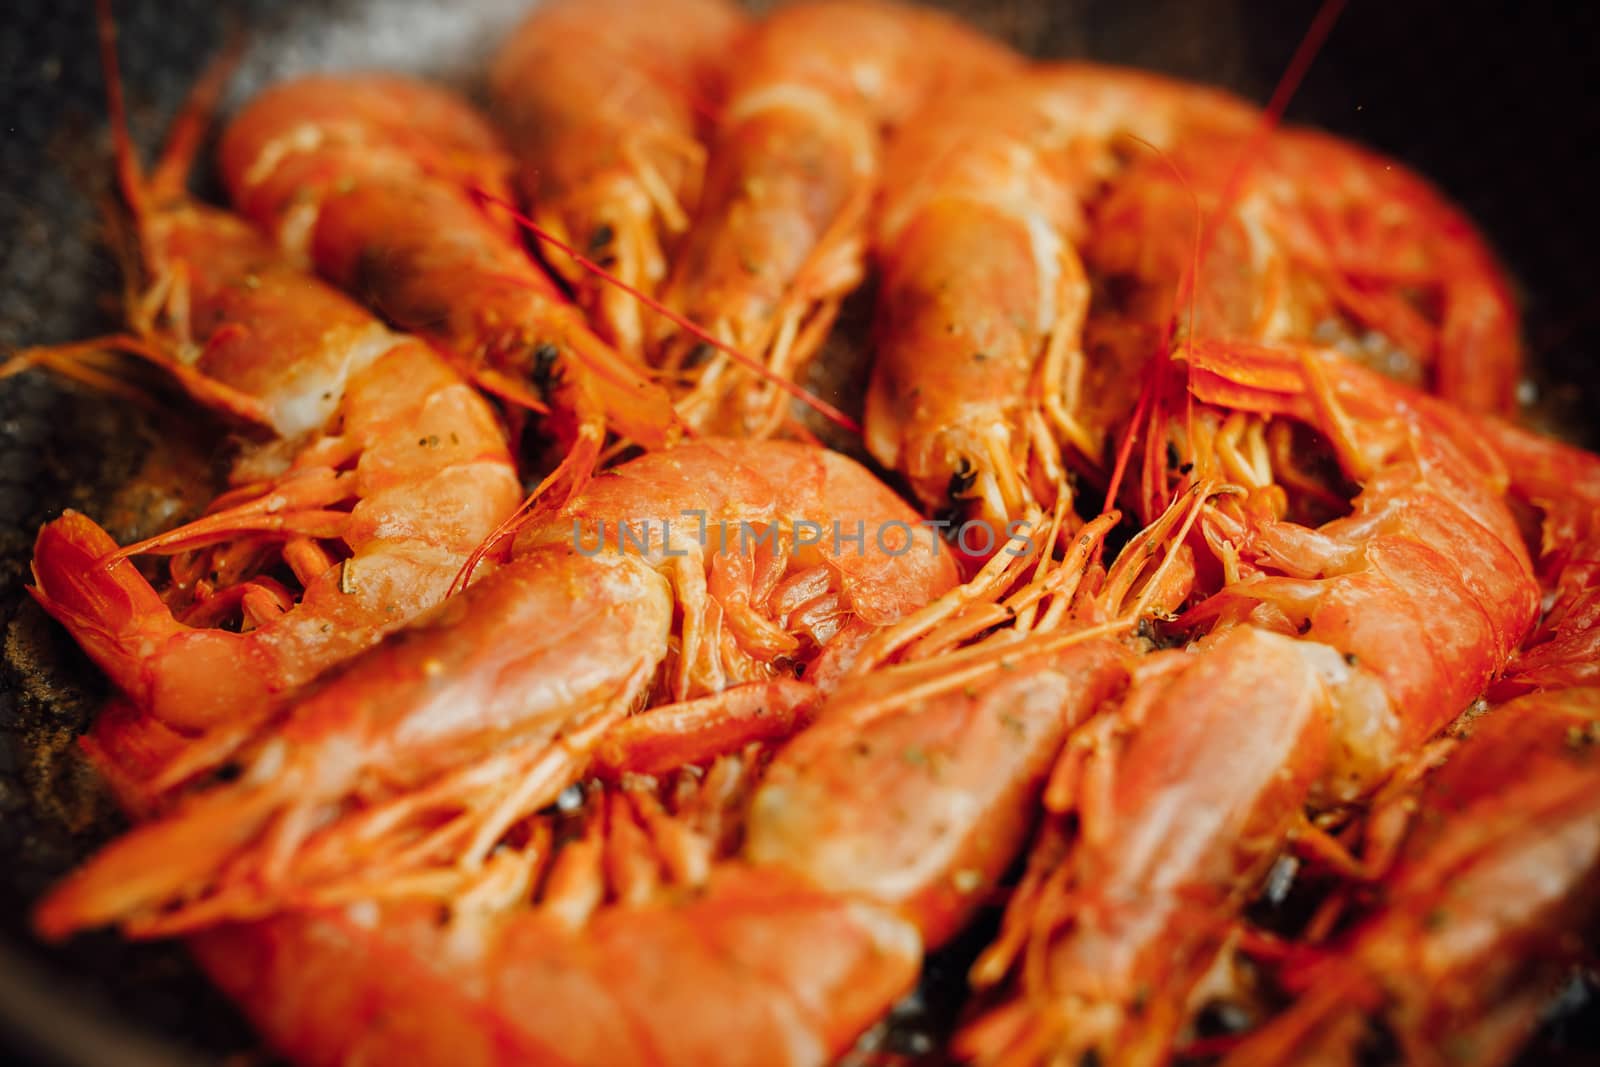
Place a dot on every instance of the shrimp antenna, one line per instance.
(187, 130)
(1186, 291)
(95, 362)
(1305, 54)
(1272, 115)
(817, 404)
(130, 176)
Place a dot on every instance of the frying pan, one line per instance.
(1490, 101)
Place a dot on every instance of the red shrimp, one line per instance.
(372, 178)
(779, 237)
(1113, 927)
(754, 969)
(979, 378)
(1473, 928)
(604, 103)
(1320, 242)
(918, 783)
(1390, 621)
(1561, 485)
(1500, 850)
(382, 471)
(1425, 587)
(486, 709)
(644, 939)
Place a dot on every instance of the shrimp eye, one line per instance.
(545, 374)
(949, 523)
(961, 478)
(600, 238)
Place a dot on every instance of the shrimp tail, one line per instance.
(86, 583)
(83, 580)
(114, 614)
(111, 610)
(1249, 378)
(133, 753)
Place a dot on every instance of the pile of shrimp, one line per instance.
(540, 689)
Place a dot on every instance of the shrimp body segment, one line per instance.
(604, 104)
(926, 807)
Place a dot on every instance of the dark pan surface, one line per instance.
(1492, 101)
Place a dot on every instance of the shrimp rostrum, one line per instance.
(487, 708)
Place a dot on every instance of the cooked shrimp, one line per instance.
(1113, 927)
(755, 968)
(1474, 925)
(1312, 239)
(779, 237)
(1562, 485)
(486, 709)
(383, 471)
(1389, 621)
(917, 784)
(605, 103)
(372, 178)
(1425, 587)
(804, 955)
(978, 371)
